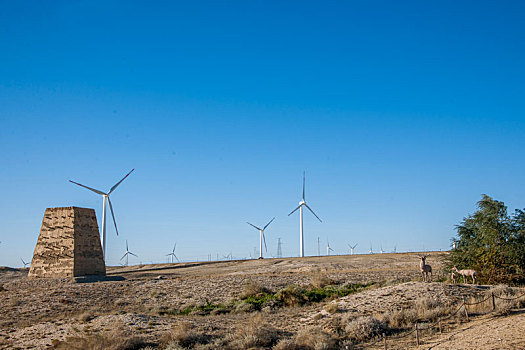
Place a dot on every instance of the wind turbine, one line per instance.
(328, 248)
(300, 207)
(261, 237)
(352, 248)
(127, 254)
(370, 251)
(105, 199)
(382, 251)
(25, 263)
(172, 254)
(395, 249)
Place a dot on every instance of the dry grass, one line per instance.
(331, 308)
(183, 335)
(363, 328)
(291, 296)
(85, 317)
(311, 338)
(117, 339)
(399, 319)
(253, 289)
(255, 334)
(321, 280)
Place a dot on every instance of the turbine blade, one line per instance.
(173, 251)
(306, 205)
(133, 254)
(264, 240)
(304, 175)
(124, 256)
(176, 257)
(253, 226)
(118, 183)
(268, 223)
(114, 221)
(127, 245)
(294, 210)
(23, 262)
(89, 188)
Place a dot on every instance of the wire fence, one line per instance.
(420, 327)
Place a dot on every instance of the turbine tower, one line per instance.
(172, 254)
(300, 207)
(279, 248)
(105, 199)
(370, 251)
(127, 254)
(352, 248)
(328, 248)
(261, 237)
(382, 251)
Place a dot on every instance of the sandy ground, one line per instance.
(38, 313)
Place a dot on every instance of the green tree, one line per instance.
(492, 243)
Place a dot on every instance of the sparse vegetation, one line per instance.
(116, 339)
(310, 338)
(183, 335)
(363, 328)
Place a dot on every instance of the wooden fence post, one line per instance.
(465, 307)
(417, 335)
(493, 301)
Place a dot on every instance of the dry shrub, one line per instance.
(116, 339)
(331, 308)
(502, 290)
(85, 317)
(504, 307)
(2, 289)
(256, 333)
(321, 280)
(253, 289)
(311, 338)
(291, 296)
(402, 318)
(430, 309)
(183, 335)
(363, 328)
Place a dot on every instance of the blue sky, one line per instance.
(402, 115)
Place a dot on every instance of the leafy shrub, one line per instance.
(492, 242)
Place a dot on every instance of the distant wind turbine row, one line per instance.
(302, 204)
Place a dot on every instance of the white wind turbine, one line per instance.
(370, 251)
(300, 207)
(261, 237)
(25, 263)
(352, 248)
(328, 248)
(127, 254)
(172, 254)
(105, 199)
(382, 251)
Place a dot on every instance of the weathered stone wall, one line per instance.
(68, 244)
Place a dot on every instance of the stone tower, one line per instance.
(68, 245)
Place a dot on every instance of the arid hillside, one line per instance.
(290, 303)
